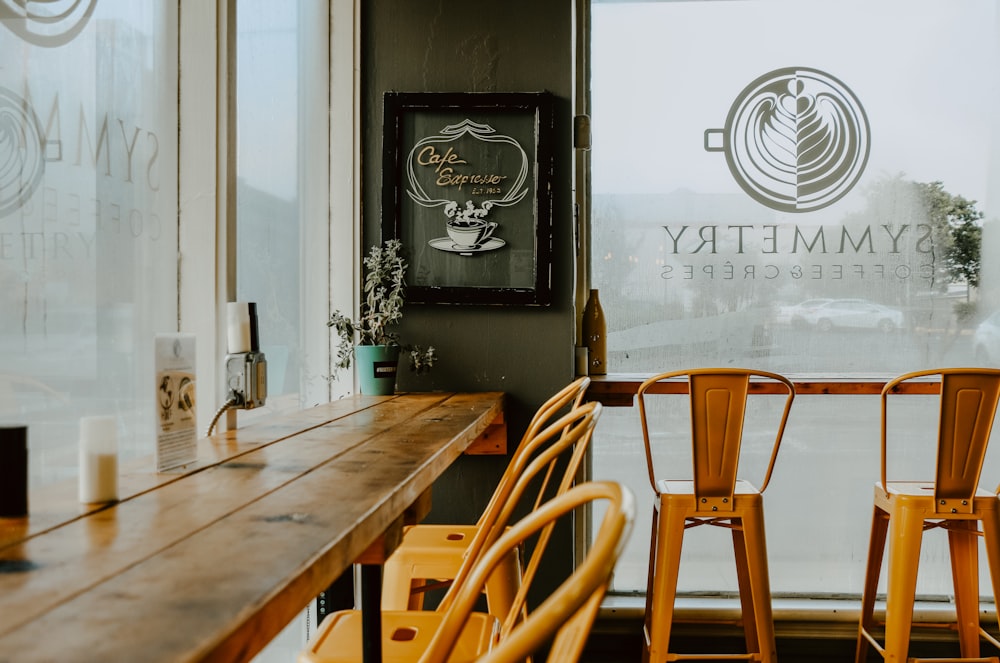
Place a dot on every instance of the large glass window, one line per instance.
(804, 187)
(282, 95)
(91, 104)
(282, 203)
(88, 219)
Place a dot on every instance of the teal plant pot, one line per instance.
(377, 366)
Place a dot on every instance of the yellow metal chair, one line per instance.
(903, 510)
(560, 439)
(458, 634)
(711, 495)
(431, 555)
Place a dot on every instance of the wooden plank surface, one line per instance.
(57, 503)
(618, 390)
(215, 564)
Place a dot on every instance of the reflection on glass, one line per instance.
(280, 79)
(751, 209)
(88, 237)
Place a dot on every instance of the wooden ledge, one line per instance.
(492, 441)
(619, 389)
(233, 547)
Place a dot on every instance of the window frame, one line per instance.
(206, 197)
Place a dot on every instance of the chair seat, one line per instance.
(679, 495)
(453, 536)
(920, 495)
(684, 488)
(405, 636)
(437, 552)
(430, 546)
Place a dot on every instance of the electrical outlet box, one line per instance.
(246, 378)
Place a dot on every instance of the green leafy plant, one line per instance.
(381, 310)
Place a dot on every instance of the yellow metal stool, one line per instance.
(711, 495)
(903, 510)
(431, 555)
(457, 634)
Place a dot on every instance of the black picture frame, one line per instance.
(467, 188)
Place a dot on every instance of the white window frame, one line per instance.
(206, 271)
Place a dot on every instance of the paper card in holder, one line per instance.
(176, 420)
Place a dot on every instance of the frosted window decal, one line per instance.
(88, 219)
(48, 23)
(817, 203)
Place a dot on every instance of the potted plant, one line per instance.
(371, 339)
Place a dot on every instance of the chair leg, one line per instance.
(397, 586)
(873, 570)
(502, 586)
(964, 547)
(647, 619)
(754, 555)
(991, 532)
(416, 599)
(905, 537)
(664, 570)
(748, 615)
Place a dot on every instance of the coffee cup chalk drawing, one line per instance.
(467, 189)
(466, 193)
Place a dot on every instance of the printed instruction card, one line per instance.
(176, 421)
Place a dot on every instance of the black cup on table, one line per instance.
(13, 471)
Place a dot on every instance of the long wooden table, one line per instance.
(619, 389)
(211, 563)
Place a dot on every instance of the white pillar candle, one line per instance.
(98, 459)
(238, 327)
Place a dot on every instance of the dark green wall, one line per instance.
(527, 352)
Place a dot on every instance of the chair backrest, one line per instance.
(569, 396)
(968, 405)
(564, 618)
(569, 437)
(718, 399)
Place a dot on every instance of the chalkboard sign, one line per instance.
(467, 189)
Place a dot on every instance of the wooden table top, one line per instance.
(619, 389)
(213, 562)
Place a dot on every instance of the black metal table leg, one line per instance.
(371, 613)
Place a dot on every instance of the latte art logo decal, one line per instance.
(48, 23)
(796, 139)
(22, 152)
